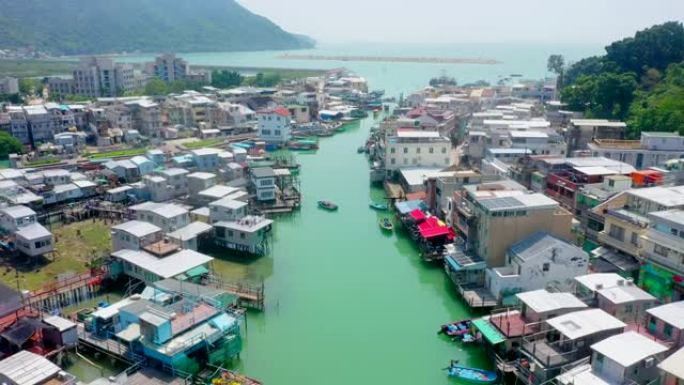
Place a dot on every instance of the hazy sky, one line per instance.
(470, 21)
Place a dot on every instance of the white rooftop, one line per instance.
(248, 224)
(625, 294)
(666, 196)
(62, 324)
(597, 122)
(190, 231)
(218, 191)
(202, 175)
(671, 313)
(542, 301)
(674, 364)
(26, 368)
(166, 267)
(416, 176)
(206, 151)
(17, 211)
(581, 375)
(33, 231)
(137, 228)
(674, 216)
(628, 348)
(417, 134)
(119, 189)
(598, 281)
(228, 203)
(528, 134)
(595, 170)
(174, 171)
(583, 323)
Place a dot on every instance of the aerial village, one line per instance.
(565, 238)
(172, 179)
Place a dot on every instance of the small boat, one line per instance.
(457, 328)
(361, 150)
(468, 338)
(472, 375)
(386, 224)
(378, 206)
(327, 205)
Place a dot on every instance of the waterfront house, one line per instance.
(263, 183)
(202, 214)
(626, 301)
(590, 196)
(27, 368)
(124, 169)
(672, 369)
(623, 359)
(33, 240)
(227, 209)
(248, 234)
(199, 181)
(176, 179)
(159, 260)
(168, 216)
(538, 261)
(134, 235)
(192, 236)
(587, 286)
(503, 329)
(60, 332)
(54, 177)
(14, 217)
(158, 188)
(87, 188)
(562, 341)
(274, 125)
(666, 322)
(214, 193)
(170, 325)
(662, 255)
(206, 159)
(157, 156)
(412, 148)
(145, 166)
(14, 194)
(118, 194)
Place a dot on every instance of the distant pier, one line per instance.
(392, 59)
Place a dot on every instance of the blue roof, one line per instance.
(406, 207)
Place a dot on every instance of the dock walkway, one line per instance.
(107, 346)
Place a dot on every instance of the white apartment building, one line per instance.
(417, 149)
(274, 125)
(654, 149)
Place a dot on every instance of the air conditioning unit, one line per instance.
(649, 362)
(621, 282)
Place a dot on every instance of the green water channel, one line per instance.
(346, 302)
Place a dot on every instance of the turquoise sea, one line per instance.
(347, 303)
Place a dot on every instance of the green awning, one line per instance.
(197, 271)
(489, 331)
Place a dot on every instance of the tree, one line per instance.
(263, 80)
(607, 95)
(443, 81)
(662, 109)
(9, 145)
(656, 47)
(30, 87)
(556, 64)
(156, 86)
(226, 79)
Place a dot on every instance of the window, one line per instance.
(230, 233)
(405, 150)
(276, 132)
(393, 161)
(635, 239)
(617, 232)
(393, 150)
(546, 267)
(265, 132)
(667, 330)
(417, 150)
(660, 250)
(629, 308)
(242, 235)
(431, 150)
(444, 150)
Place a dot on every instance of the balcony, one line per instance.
(618, 144)
(625, 247)
(551, 354)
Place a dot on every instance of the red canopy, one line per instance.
(417, 215)
(431, 228)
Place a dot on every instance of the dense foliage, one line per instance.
(640, 79)
(225, 79)
(9, 145)
(97, 26)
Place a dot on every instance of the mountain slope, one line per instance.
(103, 26)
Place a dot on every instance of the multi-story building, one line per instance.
(41, 125)
(59, 87)
(582, 131)
(191, 109)
(97, 76)
(412, 148)
(263, 181)
(19, 126)
(662, 255)
(146, 117)
(654, 149)
(169, 68)
(491, 217)
(274, 125)
(168, 216)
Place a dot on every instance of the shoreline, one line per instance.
(391, 59)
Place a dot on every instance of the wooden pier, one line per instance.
(477, 296)
(392, 59)
(106, 346)
(250, 295)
